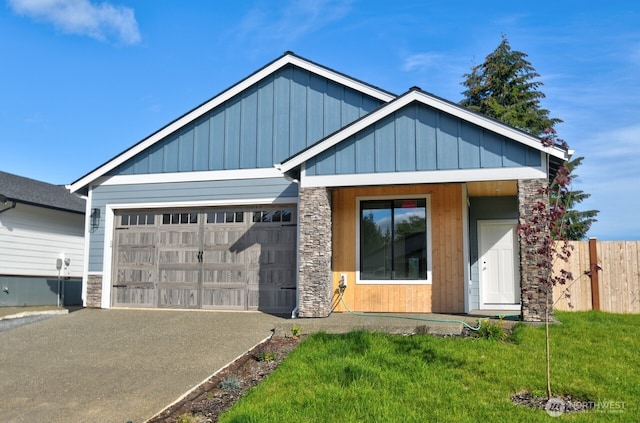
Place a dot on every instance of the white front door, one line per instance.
(498, 265)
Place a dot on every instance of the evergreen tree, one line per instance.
(505, 87)
(577, 222)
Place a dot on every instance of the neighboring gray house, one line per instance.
(41, 243)
(298, 178)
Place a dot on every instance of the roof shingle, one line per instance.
(29, 191)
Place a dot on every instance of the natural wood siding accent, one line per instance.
(492, 189)
(445, 294)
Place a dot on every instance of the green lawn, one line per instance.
(365, 377)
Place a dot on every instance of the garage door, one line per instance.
(215, 258)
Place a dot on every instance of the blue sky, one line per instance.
(83, 80)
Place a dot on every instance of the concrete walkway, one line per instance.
(127, 365)
(17, 312)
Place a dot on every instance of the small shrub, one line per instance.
(296, 331)
(267, 356)
(230, 383)
(494, 331)
(189, 418)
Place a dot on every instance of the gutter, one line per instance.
(4, 200)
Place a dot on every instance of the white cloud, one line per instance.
(100, 21)
(421, 61)
(292, 20)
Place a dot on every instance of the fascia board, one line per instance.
(490, 125)
(342, 79)
(221, 98)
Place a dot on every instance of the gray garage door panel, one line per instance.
(241, 258)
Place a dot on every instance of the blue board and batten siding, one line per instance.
(180, 193)
(267, 123)
(420, 138)
(282, 114)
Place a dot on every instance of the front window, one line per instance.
(393, 240)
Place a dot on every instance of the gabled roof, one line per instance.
(288, 58)
(29, 191)
(417, 95)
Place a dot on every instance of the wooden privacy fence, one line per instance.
(606, 277)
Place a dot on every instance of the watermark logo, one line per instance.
(555, 407)
(613, 407)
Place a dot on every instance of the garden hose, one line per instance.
(423, 319)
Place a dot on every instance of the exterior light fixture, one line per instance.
(95, 218)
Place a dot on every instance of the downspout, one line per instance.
(3, 200)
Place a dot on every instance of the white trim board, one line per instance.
(87, 247)
(429, 280)
(107, 257)
(466, 246)
(214, 175)
(491, 306)
(110, 210)
(423, 177)
(204, 203)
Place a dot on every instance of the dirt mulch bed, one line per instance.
(223, 389)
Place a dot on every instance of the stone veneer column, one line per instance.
(94, 291)
(314, 260)
(533, 295)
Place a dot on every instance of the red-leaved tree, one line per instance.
(543, 234)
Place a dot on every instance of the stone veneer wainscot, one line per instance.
(94, 291)
(314, 260)
(533, 295)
